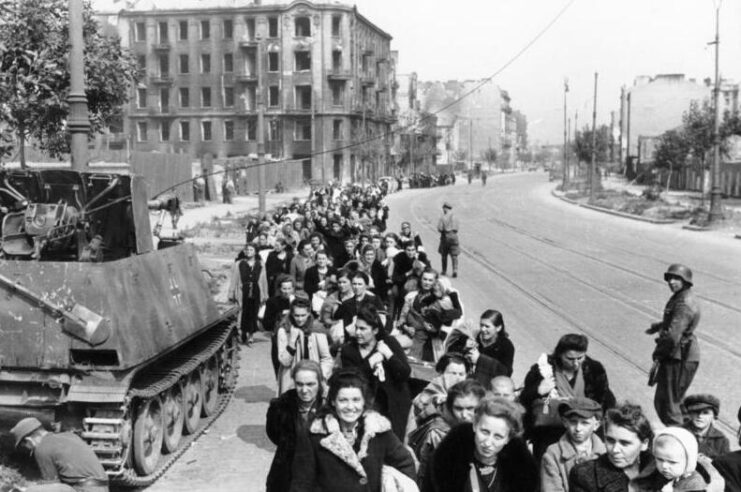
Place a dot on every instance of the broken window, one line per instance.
(303, 61)
(303, 97)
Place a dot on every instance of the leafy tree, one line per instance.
(34, 79)
(697, 127)
(490, 155)
(672, 150)
(583, 145)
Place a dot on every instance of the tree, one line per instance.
(490, 156)
(672, 150)
(34, 79)
(583, 145)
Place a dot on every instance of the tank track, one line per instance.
(155, 383)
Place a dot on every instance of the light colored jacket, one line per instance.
(318, 348)
(559, 459)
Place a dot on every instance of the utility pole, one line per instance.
(261, 128)
(593, 163)
(78, 122)
(716, 208)
(565, 138)
(470, 142)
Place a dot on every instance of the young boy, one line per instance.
(581, 417)
(702, 411)
(675, 453)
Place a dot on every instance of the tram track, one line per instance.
(544, 303)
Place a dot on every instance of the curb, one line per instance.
(613, 212)
(691, 227)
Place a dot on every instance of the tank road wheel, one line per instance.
(173, 418)
(148, 433)
(210, 382)
(192, 402)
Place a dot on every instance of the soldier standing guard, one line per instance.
(447, 226)
(677, 352)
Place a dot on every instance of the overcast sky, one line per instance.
(620, 39)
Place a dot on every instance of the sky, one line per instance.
(619, 39)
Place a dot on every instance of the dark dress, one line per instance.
(502, 350)
(313, 277)
(282, 426)
(517, 470)
(392, 397)
(729, 466)
(275, 267)
(250, 278)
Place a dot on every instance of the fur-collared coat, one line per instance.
(325, 461)
(451, 464)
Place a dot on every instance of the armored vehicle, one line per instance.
(101, 332)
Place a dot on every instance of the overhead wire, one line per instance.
(401, 129)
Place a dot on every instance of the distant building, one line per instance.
(327, 77)
(652, 106)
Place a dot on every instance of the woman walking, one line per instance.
(249, 287)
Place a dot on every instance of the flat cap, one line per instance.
(583, 407)
(447, 205)
(701, 401)
(23, 428)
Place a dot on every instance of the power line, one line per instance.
(466, 94)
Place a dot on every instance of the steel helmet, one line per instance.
(681, 271)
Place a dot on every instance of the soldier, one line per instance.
(447, 226)
(62, 457)
(677, 353)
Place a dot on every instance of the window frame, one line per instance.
(184, 136)
(206, 91)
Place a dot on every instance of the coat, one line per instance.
(392, 396)
(601, 476)
(558, 461)
(596, 387)
(487, 369)
(677, 339)
(713, 444)
(502, 350)
(517, 470)
(283, 424)
(312, 338)
(729, 466)
(325, 461)
(235, 283)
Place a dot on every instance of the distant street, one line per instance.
(551, 268)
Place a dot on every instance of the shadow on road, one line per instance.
(254, 394)
(255, 435)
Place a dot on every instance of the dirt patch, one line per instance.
(648, 205)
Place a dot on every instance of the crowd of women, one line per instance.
(352, 308)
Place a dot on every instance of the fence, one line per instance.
(162, 171)
(691, 179)
(243, 172)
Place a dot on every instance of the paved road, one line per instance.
(551, 268)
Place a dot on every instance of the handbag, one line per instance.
(653, 373)
(545, 412)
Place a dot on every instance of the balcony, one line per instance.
(248, 43)
(339, 74)
(162, 79)
(367, 80)
(165, 46)
(247, 78)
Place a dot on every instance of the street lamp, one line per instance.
(716, 208)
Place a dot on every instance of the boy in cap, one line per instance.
(702, 410)
(581, 418)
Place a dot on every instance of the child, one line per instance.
(677, 465)
(702, 410)
(581, 417)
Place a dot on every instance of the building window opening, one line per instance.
(205, 29)
(336, 22)
(164, 131)
(250, 27)
(303, 27)
(274, 96)
(336, 60)
(228, 130)
(228, 62)
(302, 60)
(141, 31)
(164, 65)
(164, 100)
(141, 98)
(250, 64)
(206, 97)
(141, 131)
(184, 64)
(228, 29)
(183, 28)
(206, 131)
(338, 93)
(163, 32)
(337, 129)
(273, 62)
(141, 63)
(205, 63)
(250, 132)
(303, 96)
(228, 97)
(184, 97)
(303, 130)
(250, 98)
(185, 131)
(272, 27)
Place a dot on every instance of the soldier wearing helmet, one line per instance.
(677, 352)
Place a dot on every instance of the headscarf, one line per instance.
(686, 440)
